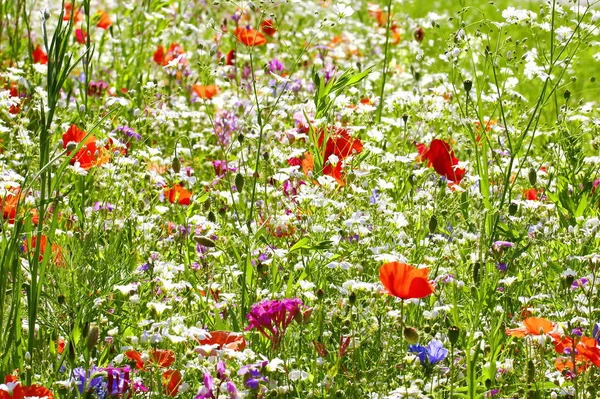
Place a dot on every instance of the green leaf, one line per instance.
(302, 243)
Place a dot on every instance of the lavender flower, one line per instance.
(430, 355)
(129, 132)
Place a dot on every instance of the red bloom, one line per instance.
(29, 245)
(441, 157)
(178, 195)
(340, 144)
(268, 26)
(39, 56)
(159, 55)
(89, 155)
(405, 281)
(136, 357)
(104, 22)
(250, 37)
(230, 60)
(171, 381)
(81, 36)
(19, 392)
(225, 339)
(162, 358)
(531, 194)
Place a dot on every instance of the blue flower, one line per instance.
(436, 351)
(421, 352)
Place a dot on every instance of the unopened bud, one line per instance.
(92, 338)
(204, 241)
(176, 164)
(468, 85)
(411, 335)
(453, 334)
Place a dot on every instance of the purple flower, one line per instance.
(501, 267)
(232, 390)
(498, 246)
(225, 124)
(421, 352)
(117, 380)
(221, 370)
(272, 317)
(432, 354)
(83, 381)
(129, 132)
(276, 66)
(596, 333)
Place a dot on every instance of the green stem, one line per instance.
(385, 60)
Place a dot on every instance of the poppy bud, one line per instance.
(211, 217)
(239, 182)
(567, 95)
(433, 222)
(532, 176)
(60, 299)
(92, 337)
(240, 138)
(476, 267)
(71, 352)
(352, 298)
(320, 293)
(568, 280)
(512, 209)
(530, 371)
(453, 334)
(204, 241)
(266, 156)
(411, 335)
(405, 118)
(468, 85)
(176, 164)
(71, 146)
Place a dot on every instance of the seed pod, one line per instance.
(468, 85)
(433, 222)
(530, 371)
(476, 267)
(567, 94)
(205, 241)
(411, 334)
(532, 176)
(239, 182)
(512, 209)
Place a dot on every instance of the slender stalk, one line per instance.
(385, 60)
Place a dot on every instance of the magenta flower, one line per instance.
(272, 317)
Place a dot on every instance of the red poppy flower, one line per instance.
(67, 13)
(39, 55)
(225, 339)
(531, 326)
(171, 381)
(206, 92)
(178, 195)
(10, 204)
(250, 37)
(531, 194)
(159, 55)
(162, 358)
(81, 36)
(104, 21)
(230, 60)
(441, 157)
(35, 391)
(405, 281)
(268, 26)
(89, 155)
(30, 244)
(340, 144)
(136, 357)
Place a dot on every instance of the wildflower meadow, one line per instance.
(379, 199)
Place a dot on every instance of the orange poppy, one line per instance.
(206, 92)
(178, 195)
(162, 358)
(163, 58)
(39, 56)
(250, 37)
(171, 380)
(10, 204)
(531, 326)
(19, 392)
(268, 26)
(136, 357)
(104, 21)
(405, 281)
(67, 13)
(531, 194)
(225, 339)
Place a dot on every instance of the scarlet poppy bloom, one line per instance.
(67, 13)
(531, 194)
(104, 22)
(206, 92)
(531, 326)
(159, 55)
(39, 55)
(225, 339)
(250, 37)
(158, 357)
(405, 281)
(342, 145)
(19, 392)
(136, 357)
(586, 348)
(162, 57)
(178, 195)
(441, 157)
(230, 60)
(171, 380)
(268, 26)
(29, 245)
(89, 155)
(10, 204)
(81, 36)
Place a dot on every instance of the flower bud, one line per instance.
(433, 222)
(239, 182)
(453, 334)
(92, 337)
(532, 176)
(176, 164)
(468, 85)
(411, 335)
(512, 209)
